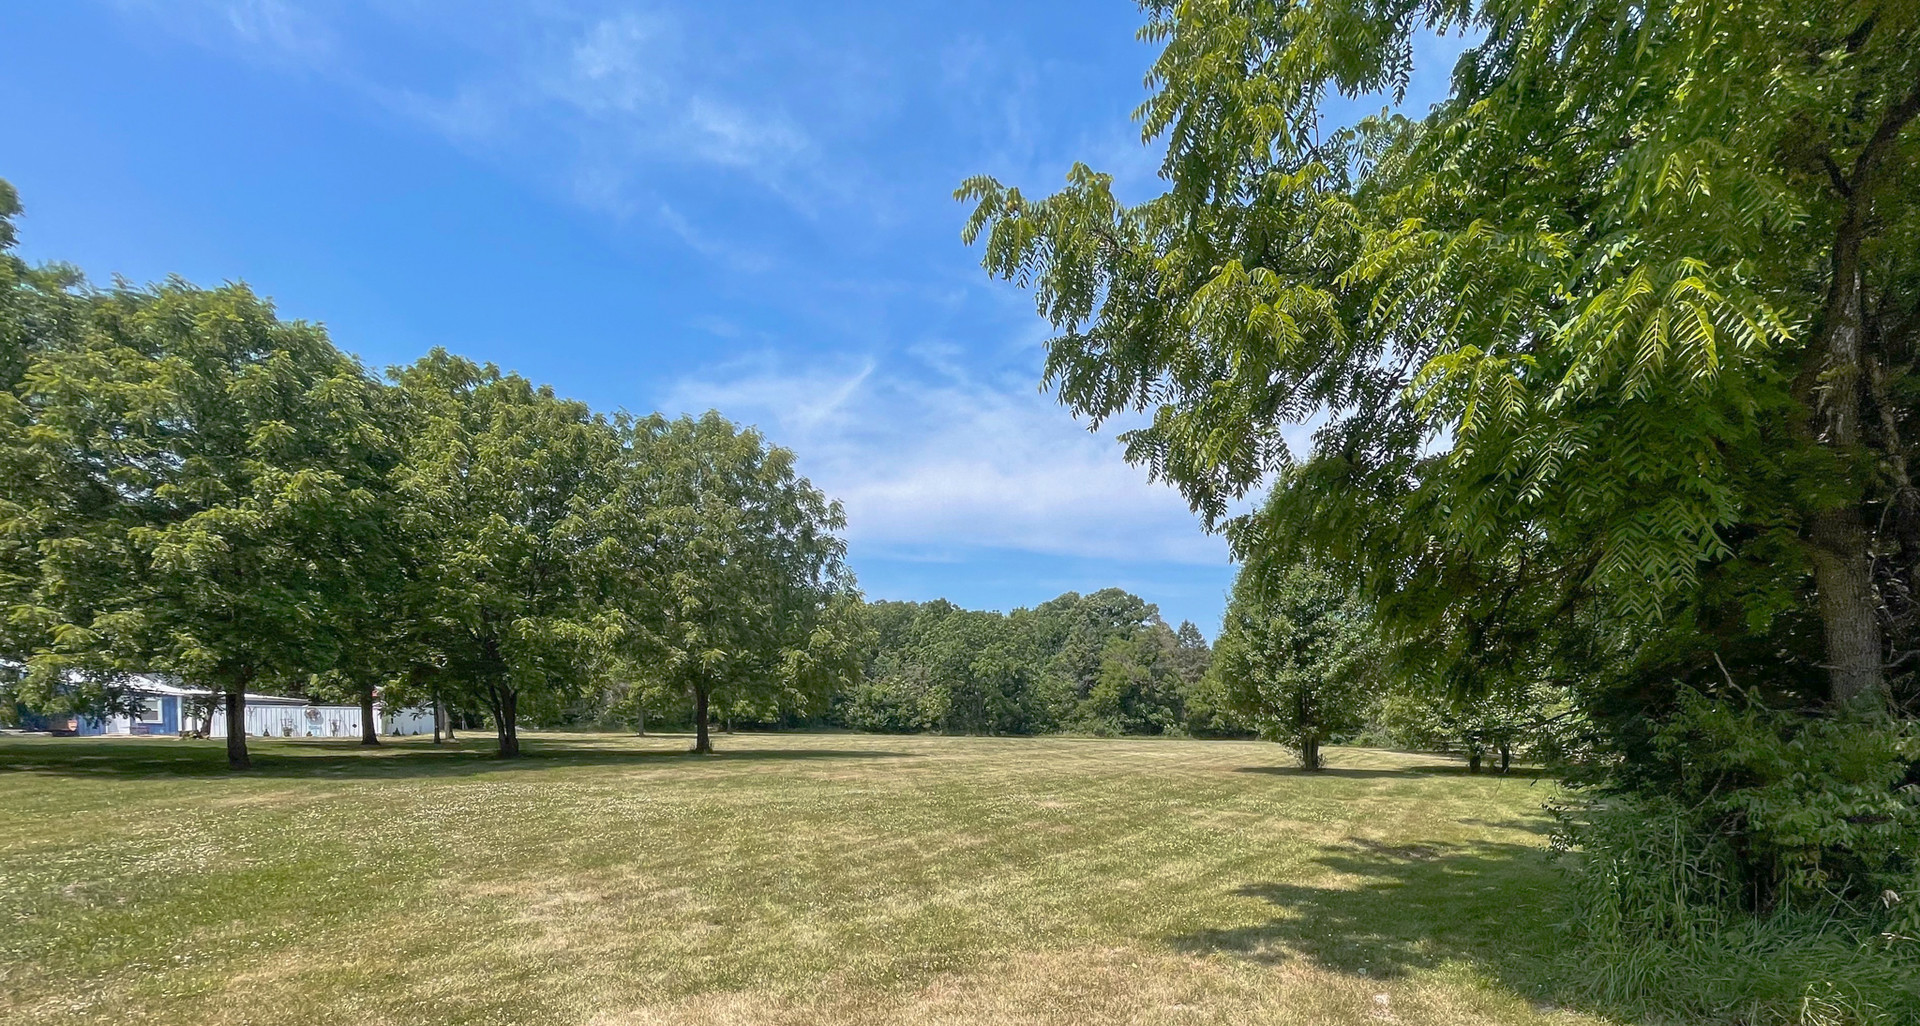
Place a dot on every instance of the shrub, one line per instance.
(1773, 878)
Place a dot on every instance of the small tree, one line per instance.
(1298, 656)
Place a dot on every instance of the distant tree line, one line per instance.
(1103, 663)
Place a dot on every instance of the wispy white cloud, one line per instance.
(737, 255)
(616, 97)
(275, 32)
(931, 462)
(595, 101)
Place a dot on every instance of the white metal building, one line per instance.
(276, 716)
(165, 708)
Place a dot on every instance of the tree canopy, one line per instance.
(205, 473)
(728, 571)
(1299, 657)
(502, 480)
(1101, 663)
(1622, 325)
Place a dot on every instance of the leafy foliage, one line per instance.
(1572, 338)
(1775, 885)
(501, 481)
(1299, 657)
(1607, 356)
(195, 486)
(724, 570)
(1103, 663)
(204, 474)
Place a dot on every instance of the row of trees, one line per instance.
(193, 485)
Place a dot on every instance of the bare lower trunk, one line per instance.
(439, 719)
(702, 743)
(506, 715)
(1506, 758)
(642, 731)
(369, 730)
(237, 730)
(1473, 761)
(1849, 614)
(1309, 729)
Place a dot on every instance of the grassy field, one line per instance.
(791, 879)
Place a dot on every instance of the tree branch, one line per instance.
(1883, 138)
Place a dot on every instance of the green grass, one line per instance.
(789, 879)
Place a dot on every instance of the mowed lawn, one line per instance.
(795, 879)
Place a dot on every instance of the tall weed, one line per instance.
(1773, 879)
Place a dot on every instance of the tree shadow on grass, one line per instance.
(1405, 908)
(1438, 769)
(321, 758)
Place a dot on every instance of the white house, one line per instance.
(165, 708)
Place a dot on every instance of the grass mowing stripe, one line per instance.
(791, 878)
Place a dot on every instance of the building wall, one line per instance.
(282, 719)
(405, 721)
(267, 719)
(167, 726)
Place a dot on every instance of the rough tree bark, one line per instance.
(1833, 384)
(1837, 538)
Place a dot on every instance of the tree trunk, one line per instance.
(237, 729)
(702, 743)
(1832, 382)
(643, 721)
(1849, 608)
(1838, 540)
(506, 714)
(1473, 761)
(1506, 759)
(369, 731)
(1310, 753)
(439, 719)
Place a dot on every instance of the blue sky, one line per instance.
(671, 206)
